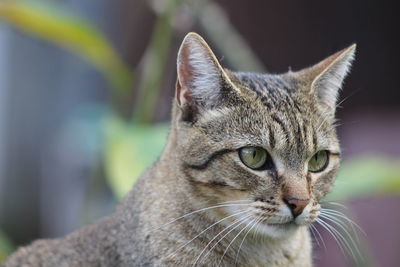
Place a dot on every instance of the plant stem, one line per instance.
(154, 65)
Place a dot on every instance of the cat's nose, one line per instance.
(296, 205)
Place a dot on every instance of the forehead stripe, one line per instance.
(282, 125)
(271, 137)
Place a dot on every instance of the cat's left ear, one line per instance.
(325, 79)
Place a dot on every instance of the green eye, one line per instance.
(319, 161)
(253, 157)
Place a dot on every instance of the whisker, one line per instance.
(242, 221)
(233, 240)
(240, 246)
(343, 216)
(235, 201)
(197, 211)
(238, 222)
(339, 223)
(353, 255)
(322, 223)
(340, 220)
(312, 229)
(319, 235)
(336, 204)
(336, 215)
(184, 245)
(256, 231)
(340, 237)
(226, 228)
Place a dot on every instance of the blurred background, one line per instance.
(86, 90)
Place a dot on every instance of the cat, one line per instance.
(248, 160)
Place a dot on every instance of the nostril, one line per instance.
(292, 206)
(296, 205)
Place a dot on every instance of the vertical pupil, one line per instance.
(254, 153)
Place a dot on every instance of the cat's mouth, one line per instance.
(282, 225)
(279, 221)
(278, 229)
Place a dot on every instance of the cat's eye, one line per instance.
(319, 161)
(254, 157)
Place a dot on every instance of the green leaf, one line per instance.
(367, 176)
(45, 20)
(155, 61)
(5, 247)
(130, 149)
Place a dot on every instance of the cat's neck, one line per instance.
(292, 250)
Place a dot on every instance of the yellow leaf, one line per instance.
(70, 32)
(130, 149)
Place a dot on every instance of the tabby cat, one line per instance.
(248, 159)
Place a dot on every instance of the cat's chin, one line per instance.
(275, 230)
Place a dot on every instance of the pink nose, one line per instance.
(296, 205)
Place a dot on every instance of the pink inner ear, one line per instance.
(185, 75)
(182, 93)
(178, 92)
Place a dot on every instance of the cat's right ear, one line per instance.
(200, 76)
(325, 79)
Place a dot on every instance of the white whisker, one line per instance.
(343, 216)
(322, 223)
(340, 237)
(236, 201)
(336, 215)
(343, 227)
(319, 235)
(241, 243)
(184, 245)
(313, 234)
(336, 218)
(197, 211)
(233, 240)
(336, 204)
(238, 222)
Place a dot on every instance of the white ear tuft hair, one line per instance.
(199, 74)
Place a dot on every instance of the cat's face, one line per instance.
(263, 147)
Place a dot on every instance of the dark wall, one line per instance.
(299, 33)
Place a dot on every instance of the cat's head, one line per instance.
(263, 144)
